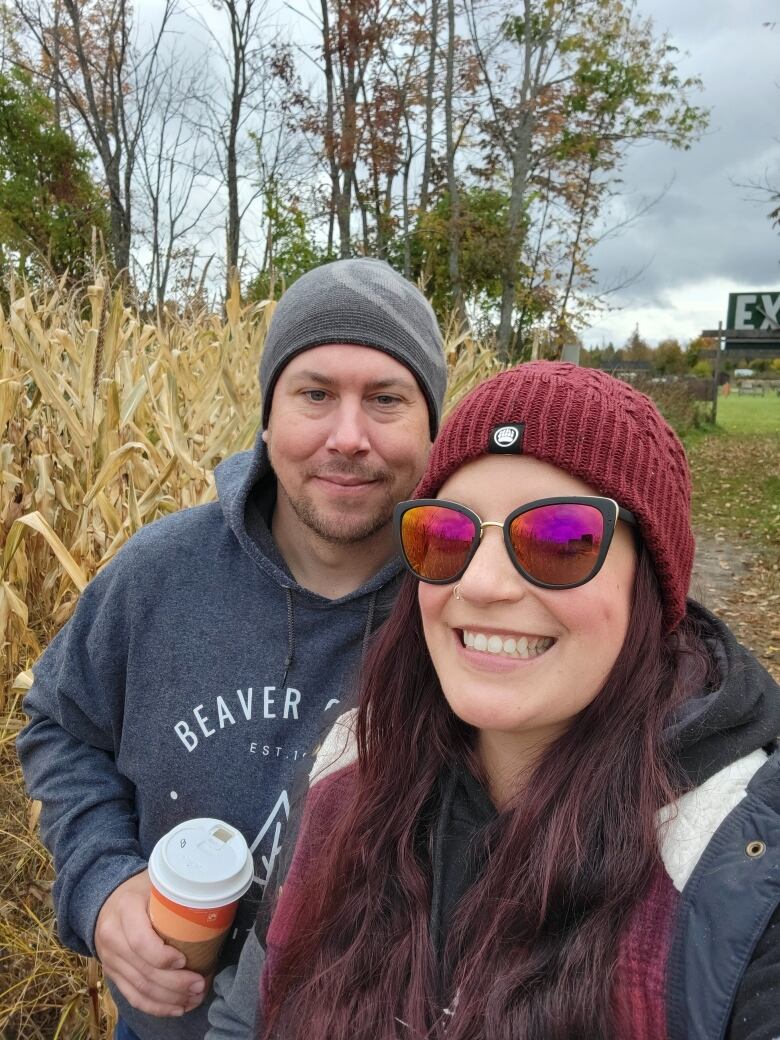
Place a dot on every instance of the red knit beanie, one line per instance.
(598, 429)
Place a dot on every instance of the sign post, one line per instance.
(716, 373)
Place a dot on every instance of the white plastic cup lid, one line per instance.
(202, 863)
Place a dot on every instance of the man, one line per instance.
(197, 665)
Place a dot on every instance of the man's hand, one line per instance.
(147, 972)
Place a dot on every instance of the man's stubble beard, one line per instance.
(344, 529)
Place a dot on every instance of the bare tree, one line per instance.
(238, 107)
(340, 149)
(109, 81)
(390, 99)
(405, 78)
(244, 28)
(176, 176)
(282, 175)
(452, 180)
(366, 125)
(351, 31)
(430, 81)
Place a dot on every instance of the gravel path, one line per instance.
(736, 583)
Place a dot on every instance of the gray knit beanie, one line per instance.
(362, 303)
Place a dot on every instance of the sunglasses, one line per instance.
(555, 543)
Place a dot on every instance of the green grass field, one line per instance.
(749, 414)
(736, 472)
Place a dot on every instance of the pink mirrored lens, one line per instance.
(436, 541)
(558, 544)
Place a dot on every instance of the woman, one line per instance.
(557, 813)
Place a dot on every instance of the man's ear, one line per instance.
(264, 436)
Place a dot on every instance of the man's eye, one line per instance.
(387, 400)
(315, 395)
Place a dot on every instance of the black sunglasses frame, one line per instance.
(610, 512)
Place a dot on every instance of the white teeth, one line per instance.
(522, 647)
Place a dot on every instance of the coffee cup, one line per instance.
(198, 872)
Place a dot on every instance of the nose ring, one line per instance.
(455, 592)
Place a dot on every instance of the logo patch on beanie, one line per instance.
(507, 439)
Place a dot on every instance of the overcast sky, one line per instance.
(704, 238)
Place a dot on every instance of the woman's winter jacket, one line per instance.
(700, 956)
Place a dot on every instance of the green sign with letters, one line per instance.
(754, 312)
(757, 310)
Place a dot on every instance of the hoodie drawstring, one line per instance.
(369, 626)
(291, 631)
(290, 635)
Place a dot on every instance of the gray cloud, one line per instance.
(705, 227)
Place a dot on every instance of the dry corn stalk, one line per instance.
(109, 422)
(106, 423)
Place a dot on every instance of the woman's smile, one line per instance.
(523, 647)
(489, 650)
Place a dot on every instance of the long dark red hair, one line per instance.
(533, 943)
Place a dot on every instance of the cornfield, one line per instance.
(108, 422)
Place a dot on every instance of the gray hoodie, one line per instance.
(190, 680)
